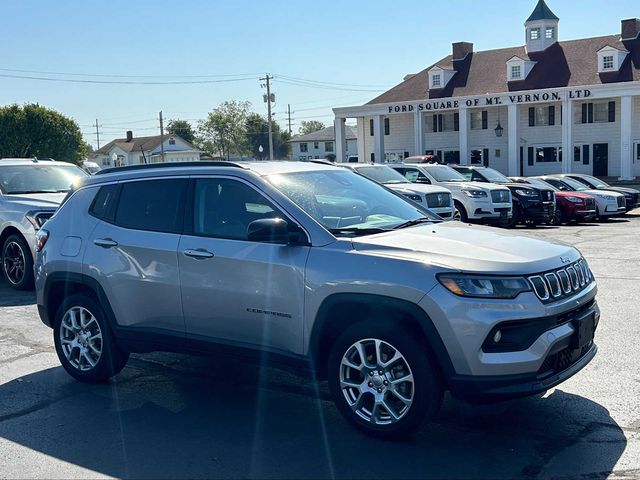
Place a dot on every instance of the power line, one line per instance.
(122, 82)
(129, 76)
(326, 87)
(320, 82)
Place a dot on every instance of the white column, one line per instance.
(463, 123)
(626, 146)
(340, 139)
(513, 140)
(378, 138)
(362, 131)
(567, 135)
(418, 132)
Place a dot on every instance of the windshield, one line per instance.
(576, 185)
(494, 176)
(595, 182)
(442, 173)
(38, 178)
(346, 203)
(381, 174)
(536, 182)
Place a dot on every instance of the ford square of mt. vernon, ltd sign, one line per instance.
(490, 100)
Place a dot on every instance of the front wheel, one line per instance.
(382, 380)
(84, 343)
(557, 217)
(17, 263)
(460, 213)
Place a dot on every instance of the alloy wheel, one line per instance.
(14, 262)
(376, 381)
(81, 338)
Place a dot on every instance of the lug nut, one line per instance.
(370, 384)
(371, 374)
(380, 372)
(386, 383)
(379, 390)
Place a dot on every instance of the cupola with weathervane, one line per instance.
(541, 28)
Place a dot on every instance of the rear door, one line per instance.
(132, 252)
(234, 290)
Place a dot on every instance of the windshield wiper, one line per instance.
(417, 221)
(27, 192)
(359, 231)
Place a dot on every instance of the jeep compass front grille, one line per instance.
(500, 196)
(563, 282)
(438, 200)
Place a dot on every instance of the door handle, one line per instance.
(105, 242)
(199, 253)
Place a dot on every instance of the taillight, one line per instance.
(41, 239)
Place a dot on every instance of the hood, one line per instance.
(623, 190)
(600, 193)
(476, 185)
(573, 194)
(418, 187)
(469, 248)
(37, 200)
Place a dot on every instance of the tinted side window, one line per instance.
(154, 205)
(224, 208)
(104, 204)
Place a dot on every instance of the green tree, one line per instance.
(223, 132)
(257, 132)
(32, 130)
(310, 126)
(182, 128)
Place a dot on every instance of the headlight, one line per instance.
(38, 219)
(527, 193)
(481, 286)
(475, 193)
(574, 199)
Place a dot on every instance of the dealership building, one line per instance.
(548, 106)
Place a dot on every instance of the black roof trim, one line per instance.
(152, 166)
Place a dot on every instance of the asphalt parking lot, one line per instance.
(175, 416)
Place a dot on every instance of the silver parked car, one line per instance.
(30, 191)
(312, 266)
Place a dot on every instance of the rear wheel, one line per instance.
(84, 343)
(17, 263)
(382, 380)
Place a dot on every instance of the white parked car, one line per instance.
(474, 201)
(436, 198)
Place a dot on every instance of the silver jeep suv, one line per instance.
(30, 191)
(311, 266)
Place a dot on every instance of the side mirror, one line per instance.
(275, 230)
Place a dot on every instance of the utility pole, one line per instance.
(161, 138)
(97, 135)
(268, 100)
(289, 114)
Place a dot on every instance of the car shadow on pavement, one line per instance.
(171, 416)
(14, 298)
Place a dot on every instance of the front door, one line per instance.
(601, 160)
(234, 290)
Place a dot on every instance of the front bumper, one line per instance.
(444, 212)
(488, 211)
(539, 212)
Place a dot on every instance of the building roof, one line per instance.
(573, 63)
(326, 135)
(542, 12)
(136, 144)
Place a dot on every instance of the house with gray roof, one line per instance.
(322, 144)
(140, 150)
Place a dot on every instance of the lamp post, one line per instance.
(499, 130)
(260, 149)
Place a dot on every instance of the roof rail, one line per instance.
(321, 161)
(151, 166)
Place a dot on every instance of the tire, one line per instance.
(17, 263)
(460, 213)
(515, 218)
(77, 324)
(419, 397)
(558, 217)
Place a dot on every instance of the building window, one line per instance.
(476, 157)
(328, 146)
(598, 112)
(607, 62)
(303, 157)
(479, 120)
(304, 147)
(542, 116)
(316, 145)
(577, 154)
(172, 141)
(548, 154)
(451, 156)
(549, 33)
(436, 81)
(445, 122)
(371, 127)
(638, 152)
(387, 128)
(535, 34)
(516, 72)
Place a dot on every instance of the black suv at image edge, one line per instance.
(531, 205)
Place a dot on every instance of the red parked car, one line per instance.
(570, 206)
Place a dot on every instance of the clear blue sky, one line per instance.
(373, 43)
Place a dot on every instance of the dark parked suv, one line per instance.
(532, 205)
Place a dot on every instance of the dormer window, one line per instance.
(518, 69)
(516, 72)
(535, 33)
(439, 77)
(550, 33)
(436, 81)
(607, 62)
